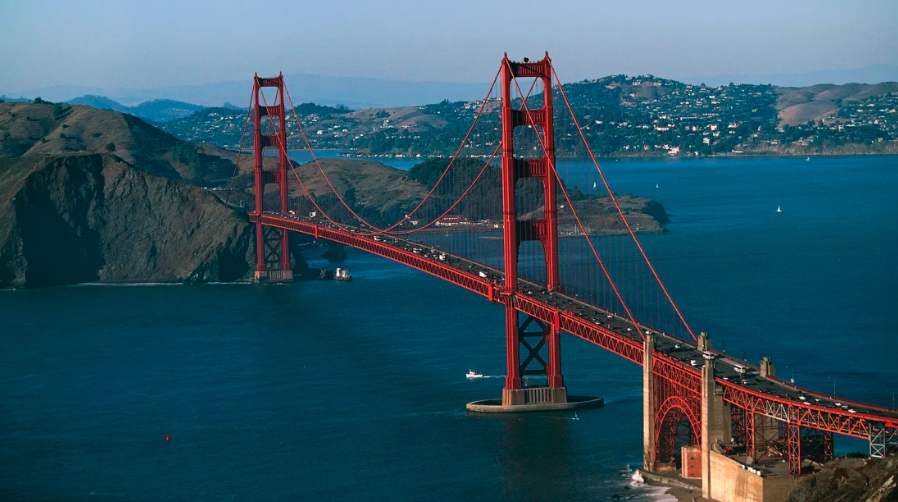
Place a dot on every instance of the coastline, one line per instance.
(416, 157)
(355, 154)
(730, 155)
(674, 487)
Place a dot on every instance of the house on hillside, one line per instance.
(451, 220)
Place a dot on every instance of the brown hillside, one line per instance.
(85, 218)
(28, 129)
(850, 480)
(409, 117)
(797, 105)
(375, 184)
(599, 216)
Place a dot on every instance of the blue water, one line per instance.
(304, 156)
(356, 391)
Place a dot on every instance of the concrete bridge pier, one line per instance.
(532, 336)
(715, 418)
(648, 404)
(273, 276)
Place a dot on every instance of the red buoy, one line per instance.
(166, 437)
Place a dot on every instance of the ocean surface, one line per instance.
(356, 391)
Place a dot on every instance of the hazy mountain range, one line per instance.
(361, 92)
(354, 92)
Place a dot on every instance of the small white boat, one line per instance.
(779, 209)
(342, 274)
(656, 185)
(594, 185)
(473, 374)
(807, 159)
(575, 416)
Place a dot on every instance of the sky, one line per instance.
(145, 44)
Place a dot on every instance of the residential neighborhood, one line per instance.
(619, 116)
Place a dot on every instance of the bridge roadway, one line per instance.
(676, 360)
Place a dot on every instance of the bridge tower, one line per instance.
(525, 332)
(272, 244)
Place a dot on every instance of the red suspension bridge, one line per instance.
(523, 215)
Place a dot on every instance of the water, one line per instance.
(356, 391)
(304, 156)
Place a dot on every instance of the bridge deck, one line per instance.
(676, 360)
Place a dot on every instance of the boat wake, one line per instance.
(473, 375)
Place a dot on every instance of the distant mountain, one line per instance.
(362, 92)
(101, 102)
(354, 92)
(8, 99)
(868, 75)
(159, 110)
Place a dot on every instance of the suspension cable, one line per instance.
(240, 148)
(432, 190)
(573, 210)
(619, 210)
(345, 227)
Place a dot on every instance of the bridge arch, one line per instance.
(675, 419)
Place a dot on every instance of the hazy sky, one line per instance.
(155, 43)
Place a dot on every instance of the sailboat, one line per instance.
(594, 185)
(656, 185)
(779, 209)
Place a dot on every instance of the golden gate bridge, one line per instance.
(523, 215)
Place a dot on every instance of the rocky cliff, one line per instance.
(850, 480)
(91, 195)
(95, 217)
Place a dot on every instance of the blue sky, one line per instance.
(158, 43)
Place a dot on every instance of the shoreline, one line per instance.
(753, 155)
(353, 154)
(674, 487)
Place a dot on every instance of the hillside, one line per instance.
(92, 217)
(850, 480)
(93, 195)
(816, 103)
(374, 184)
(55, 129)
(621, 116)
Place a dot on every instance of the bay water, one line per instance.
(356, 391)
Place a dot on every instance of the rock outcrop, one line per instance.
(850, 480)
(94, 217)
